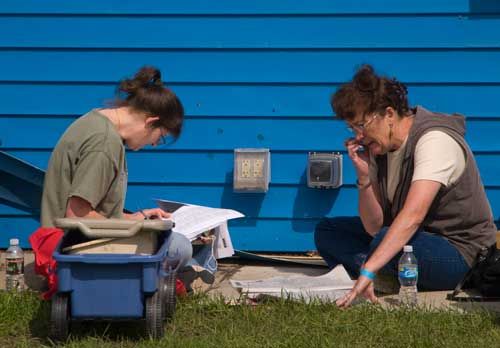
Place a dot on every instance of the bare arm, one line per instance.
(416, 207)
(79, 207)
(370, 209)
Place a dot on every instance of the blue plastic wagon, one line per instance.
(105, 272)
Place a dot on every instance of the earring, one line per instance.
(390, 132)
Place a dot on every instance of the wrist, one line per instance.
(363, 182)
(366, 273)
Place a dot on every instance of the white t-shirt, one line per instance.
(438, 157)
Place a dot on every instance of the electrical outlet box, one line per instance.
(252, 170)
(324, 170)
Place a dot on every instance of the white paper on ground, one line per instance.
(192, 220)
(327, 287)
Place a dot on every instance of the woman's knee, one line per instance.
(325, 232)
(180, 250)
(332, 231)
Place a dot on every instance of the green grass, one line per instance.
(203, 322)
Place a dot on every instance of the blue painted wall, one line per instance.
(250, 74)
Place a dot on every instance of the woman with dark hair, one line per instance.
(418, 184)
(87, 172)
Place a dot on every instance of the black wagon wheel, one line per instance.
(168, 295)
(60, 317)
(154, 316)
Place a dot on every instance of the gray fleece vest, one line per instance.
(461, 212)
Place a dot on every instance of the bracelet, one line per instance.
(363, 186)
(143, 214)
(366, 273)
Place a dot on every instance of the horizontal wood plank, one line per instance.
(287, 168)
(246, 234)
(227, 134)
(240, 66)
(234, 32)
(297, 100)
(228, 7)
(283, 202)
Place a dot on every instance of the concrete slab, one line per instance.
(239, 270)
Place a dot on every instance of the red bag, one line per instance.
(44, 242)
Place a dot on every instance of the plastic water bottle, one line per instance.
(14, 270)
(408, 276)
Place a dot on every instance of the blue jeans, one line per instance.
(179, 252)
(343, 240)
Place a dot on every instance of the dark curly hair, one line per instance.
(369, 93)
(146, 92)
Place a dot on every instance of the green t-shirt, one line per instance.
(87, 162)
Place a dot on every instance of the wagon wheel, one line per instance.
(167, 288)
(60, 317)
(154, 316)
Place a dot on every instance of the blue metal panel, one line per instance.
(250, 74)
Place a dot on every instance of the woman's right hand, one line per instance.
(360, 159)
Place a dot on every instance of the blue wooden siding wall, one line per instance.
(250, 74)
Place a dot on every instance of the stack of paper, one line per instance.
(327, 287)
(192, 220)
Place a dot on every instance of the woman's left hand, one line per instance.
(363, 286)
(156, 213)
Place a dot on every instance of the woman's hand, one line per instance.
(360, 159)
(154, 213)
(363, 286)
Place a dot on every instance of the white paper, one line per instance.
(223, 244)
(327, 287)
(192, 220)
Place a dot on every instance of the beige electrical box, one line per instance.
(252, 170)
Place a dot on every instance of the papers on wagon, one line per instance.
(192, 220)
(327, 287)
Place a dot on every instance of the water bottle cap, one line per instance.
(14, 241)
(408, 249)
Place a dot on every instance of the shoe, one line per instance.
(193, 272)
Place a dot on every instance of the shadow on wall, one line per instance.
(310, 205)
(488, 7)
(249, 204)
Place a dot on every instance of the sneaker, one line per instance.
(193, 272)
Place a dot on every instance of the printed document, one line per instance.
(193, 220)
(327, 287)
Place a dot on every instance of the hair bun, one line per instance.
(365, 79)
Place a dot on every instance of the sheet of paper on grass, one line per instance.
(327, 287)
(192, 220)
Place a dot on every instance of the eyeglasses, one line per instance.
(361, 127)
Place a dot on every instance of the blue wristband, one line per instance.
(367, 273)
